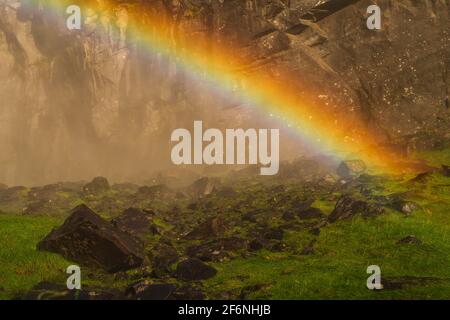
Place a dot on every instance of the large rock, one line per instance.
(347, 207)
(88, 239)
(351, 168)
(97, 185)
(203, 187)
(216, 250)
(311, 213)
(163, 255)
(134, 221)
(145, 290)
(210, 228)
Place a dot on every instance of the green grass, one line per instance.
(21, 265)
(337, 269)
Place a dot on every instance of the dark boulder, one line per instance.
(134, 221)
(162, 256)
(351, 169)
(13, 194)
(96, 186)
(216, 250)
(145, 290)
(209, 229)
(157, 191)
(188, 292)
(274, 234)
(277, 246)
(256, 245)
(421, 177)
(301, 204)
(194, 269)
(203, 187)
(406, 207)
(311, 213)
(288, 215)
(347, 207)
(88, 239)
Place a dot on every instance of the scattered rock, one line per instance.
(410, 240)
(88, 239)
(421, 177)
(194, 269)
(288, 215)
(12, 194)
(162, 257)
(216, 250)
(351, 168)
(145, 290)
(158, 191)
(133, 221)
(407, 207)
(278, 246)
(255, 245)
(209, 229)
(311, 213)
(299, 205)
(274, 234)
(203, 187)
(96, 186)
(348, 207)
(250, 217)
(188, 292)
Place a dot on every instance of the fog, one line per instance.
(74, 105)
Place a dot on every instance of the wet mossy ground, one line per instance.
(335, 269)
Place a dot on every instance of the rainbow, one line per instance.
(314, 124)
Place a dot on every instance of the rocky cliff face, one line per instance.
(70, 103)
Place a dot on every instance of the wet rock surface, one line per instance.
(90, 240)
(194, 269)
(351, 168)
(98, 185)
(134, 221)
(348, 207)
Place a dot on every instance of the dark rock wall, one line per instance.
(70, 104)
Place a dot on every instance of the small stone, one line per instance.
(411, 239)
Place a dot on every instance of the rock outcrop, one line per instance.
(88, 239)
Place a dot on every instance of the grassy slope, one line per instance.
(336, 270)
(21, 265)
(344, 250)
